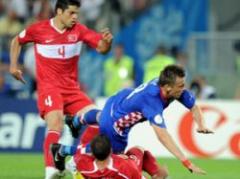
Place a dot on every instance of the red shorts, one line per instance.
(136, 157)
(69, 103)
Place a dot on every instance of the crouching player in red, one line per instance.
(101, 163)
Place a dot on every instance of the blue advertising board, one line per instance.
(21, 128)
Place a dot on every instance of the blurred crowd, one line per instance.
(118, 69)
(16, 14)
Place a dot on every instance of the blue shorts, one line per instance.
(119, 143)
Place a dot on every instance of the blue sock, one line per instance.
(67, 150)
(91, 116)
(76, 121)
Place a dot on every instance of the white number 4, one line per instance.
(48, 101)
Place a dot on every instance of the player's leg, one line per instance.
(89, 134)
(79, 107)
(51, 109)
(146, 161)
(86, 116)
(89, 115)
(151, 166)
(54, 120)
(135, 155)
(60, 152)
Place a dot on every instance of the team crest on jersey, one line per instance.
(158, 119)
(72, 37)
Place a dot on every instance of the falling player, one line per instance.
(145, 103)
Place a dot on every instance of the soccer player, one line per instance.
(57, 45)
(147, 102)
(101, 163)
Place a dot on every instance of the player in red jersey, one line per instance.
(57, 45)
(101, 163)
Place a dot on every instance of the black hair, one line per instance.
(63, 4)
(169, 74)
(101, 147)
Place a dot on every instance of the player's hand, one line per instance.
(204, 131)
(17, 74)
(194, 169)
(107, 35)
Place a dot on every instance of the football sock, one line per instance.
(51, 137)
(150, 164)
(89, 118)
(67, 150)
(77, 121)
(88, 135)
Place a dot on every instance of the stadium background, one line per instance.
(207, 30)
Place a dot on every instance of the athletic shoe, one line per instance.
(74, 130)
(59, 160)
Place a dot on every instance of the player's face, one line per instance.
(70, 16)
(177, 88)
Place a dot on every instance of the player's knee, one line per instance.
(55, 123)
(56, 126)
(162, 173)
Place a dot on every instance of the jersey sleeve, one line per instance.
(187, 99)
(27, 35)
(88, 36)
(153, 110)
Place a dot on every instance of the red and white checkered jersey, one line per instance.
(57, 52)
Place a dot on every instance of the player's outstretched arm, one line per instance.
(165, 138)
(193, 168)
(104, 45)
(198, 118)
(15, 50)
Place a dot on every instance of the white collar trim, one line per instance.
(59, 31)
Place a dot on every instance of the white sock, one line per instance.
(51, 173)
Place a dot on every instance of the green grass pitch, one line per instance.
(30, 166)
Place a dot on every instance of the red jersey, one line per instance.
(57, 52)
(118, 168)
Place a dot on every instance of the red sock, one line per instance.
(150, 164)
(89, 134)
(51, 137)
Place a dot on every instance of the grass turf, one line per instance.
(30, 166)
